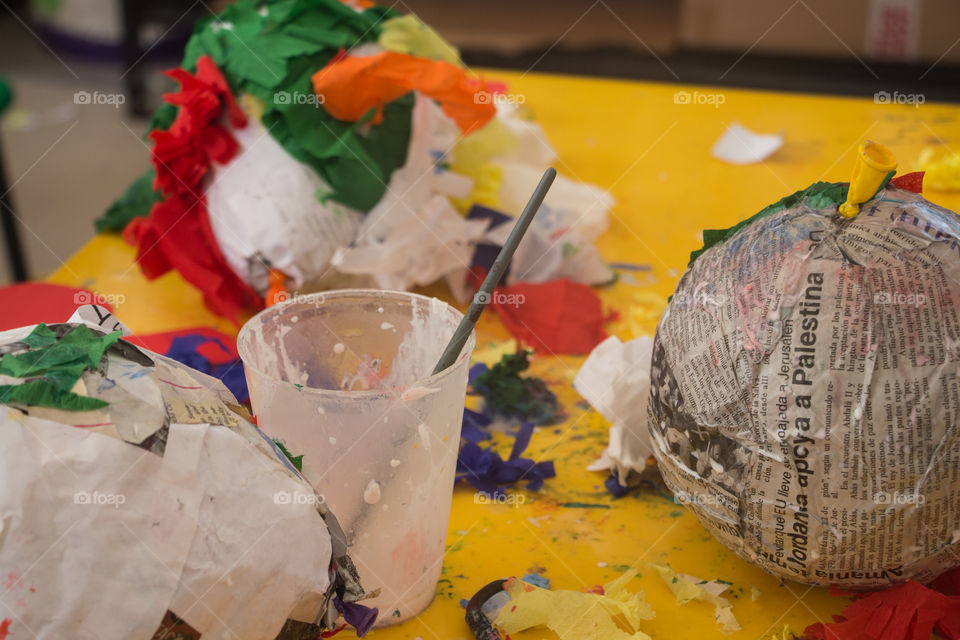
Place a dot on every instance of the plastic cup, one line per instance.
(344, 378)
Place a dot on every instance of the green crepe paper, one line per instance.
(296, 461)
(54, 366)
(510, 394)
(135, 202)
(819, 195)
(280, 52)
(264, 55)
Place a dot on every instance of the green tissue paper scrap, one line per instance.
(819, 195)
(296, 461)
(51, 367)
(510, 394)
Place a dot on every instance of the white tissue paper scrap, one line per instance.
(551, 249)
(164, 501)
(575, 205)
(532, 148)
(266, 209)
(414, 236)
(739, 145)
(615, 380)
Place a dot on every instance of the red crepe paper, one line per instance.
(177, 233)
(160, 343)
(948, 583)
(353, 85)
(909, 182)
(560, 316)
(908, 611)
(35, 302)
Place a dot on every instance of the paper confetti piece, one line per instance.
(688, 588)
(575, 615)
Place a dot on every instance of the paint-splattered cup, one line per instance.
(344, 379)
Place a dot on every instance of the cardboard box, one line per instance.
(921, 31)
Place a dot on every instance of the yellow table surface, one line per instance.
(653, 155)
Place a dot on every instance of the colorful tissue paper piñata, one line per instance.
(138, 502)
(804, 384)
(313, 142)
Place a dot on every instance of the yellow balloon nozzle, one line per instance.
(874, 163)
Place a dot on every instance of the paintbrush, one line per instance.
(485, 292)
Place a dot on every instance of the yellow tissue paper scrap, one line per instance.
(942, 169)
(687, 588)
(407, 34)
(575, 615)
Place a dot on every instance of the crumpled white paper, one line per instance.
(615, 380)
(104, 529)
(414, 236)
(559, 242)
(264, 210)
(739, 145)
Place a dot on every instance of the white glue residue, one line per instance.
(431, 327)
(338, 348)
(415, 393)
(424, 435)
(321, 410)
(333, 440)
(371, 495)
(394, 463)
(276, 359)
(386, 326)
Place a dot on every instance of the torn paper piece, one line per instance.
(615, 380)
(549, 251)
(414, 236)
(571, 205)
(687, 588)
(739, 145)
(434, 242)
(575, 615)
(269, 210)
(98, 317)
(183, 506)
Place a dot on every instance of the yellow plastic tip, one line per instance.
(874, 162)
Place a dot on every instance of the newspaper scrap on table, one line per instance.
(615, 380)
(805, 391)
(164, 510)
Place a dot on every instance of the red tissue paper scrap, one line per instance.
(31, 303)
(908, 611)
(353, 85)
(177, 233)
(909, 182)
(559, 316)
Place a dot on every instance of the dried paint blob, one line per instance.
(338, 348)
(805, 387)
(386, 326)
(394, 463)
(424, 435)
(371, 495)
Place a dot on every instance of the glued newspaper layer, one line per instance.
(805, 392)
